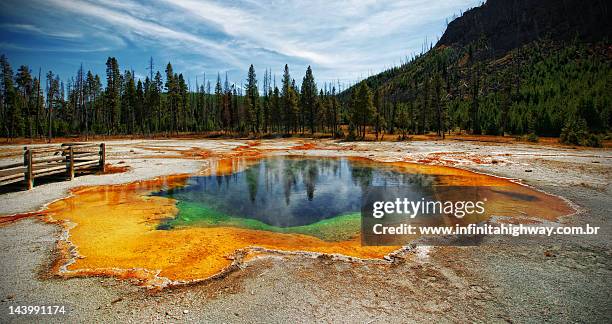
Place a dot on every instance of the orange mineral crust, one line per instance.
(113, 228)
(504, 196)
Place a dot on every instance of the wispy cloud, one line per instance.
(253, 28)
(13, 46)
(345, 39)
(27, 28)
(131, 26)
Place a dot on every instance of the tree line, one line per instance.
(36, 106)
(541, 89)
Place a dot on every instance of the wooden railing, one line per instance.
(48, 160)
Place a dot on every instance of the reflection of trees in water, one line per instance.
(361, 175)
(289, 179)
(421, 180)
(310, 178)
(290, 173)
(252, 179)
(422, 183)
(367, 176)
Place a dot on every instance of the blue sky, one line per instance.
(342, 40)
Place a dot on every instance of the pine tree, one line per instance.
(424, 111)
(128, 103)
(276, 111)
(38, 105)
(218, 103)
(363, 109)
(403, 121)
(437, 85)
(24, 88)
(335, 113)
(183, 107)
(253, 116)
(12, 112)
(378, 115)
(308, 100)
(287, 98)
(155, 97)
(171, 97)
(53, 101)
(294, 106)
(139, 109)
(113, 99)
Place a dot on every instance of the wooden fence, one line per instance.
(48, 160)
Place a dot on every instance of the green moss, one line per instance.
(339, 228)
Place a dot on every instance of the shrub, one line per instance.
(532, 137)
(576, 132)
(404, 137)
(352, 136)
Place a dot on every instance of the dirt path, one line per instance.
(567, 279)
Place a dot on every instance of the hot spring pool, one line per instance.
(189, 227)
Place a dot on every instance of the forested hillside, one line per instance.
(507, 67)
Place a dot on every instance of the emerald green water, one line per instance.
(320, 197)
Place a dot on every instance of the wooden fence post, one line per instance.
(70, 163)
(103, 157)
(27, 161)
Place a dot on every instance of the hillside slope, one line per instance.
(507, 67)
(509, 24)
